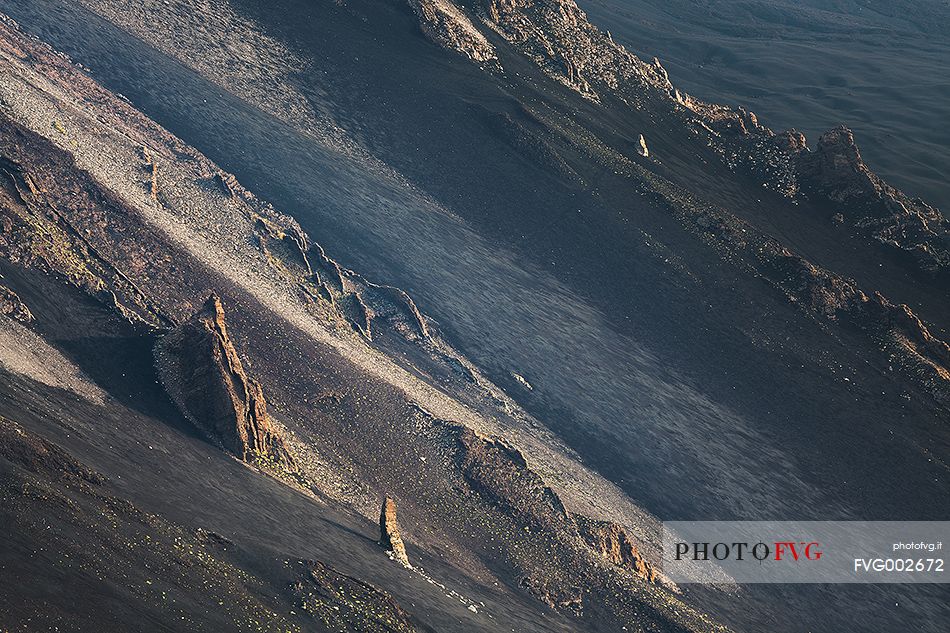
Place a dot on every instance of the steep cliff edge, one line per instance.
(202, 372)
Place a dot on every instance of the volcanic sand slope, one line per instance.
(60, 226)
(714, 346)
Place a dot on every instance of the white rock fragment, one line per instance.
(522, 381)
(642, 147)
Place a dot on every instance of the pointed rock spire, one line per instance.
(642, 147)
(202, 372)
(389, 537)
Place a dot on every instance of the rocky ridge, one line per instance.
(834, 176)
(836, 173)
(448, 26)
(608, 574)
(362, 302)
(37, 232)
(894, 328)
(616, 545)
(558, 37)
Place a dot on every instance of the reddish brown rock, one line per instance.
(612, 542)
(389, 537)
(894, 326)
(203, 374)
(836, 168)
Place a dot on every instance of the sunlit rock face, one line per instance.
(204, 376)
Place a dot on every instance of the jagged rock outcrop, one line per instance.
(202, 372)
(836, 173)
(613, 543)
(285, 248)
(750, 122)
(894, 327)
(448, 26)
(791, 141)
(12, 306)
(500, 474)
(836, 169)
(573, 564)
(348, 294)
(213, 540)
(41, 194)
(389, 537)
(558, 37)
